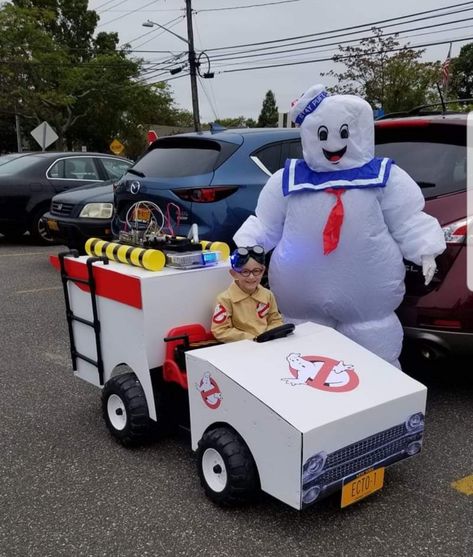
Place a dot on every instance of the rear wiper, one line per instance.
(422, 185)
(136, 172)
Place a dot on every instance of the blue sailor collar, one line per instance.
(298, 176)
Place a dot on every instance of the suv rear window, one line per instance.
(434, 156)
(171, 158)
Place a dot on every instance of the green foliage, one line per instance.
(239, 122)
(86, 87)
(461, 71)
(269, 112)
(387, 75)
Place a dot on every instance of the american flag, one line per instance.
(446, 69)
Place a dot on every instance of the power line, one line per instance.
(371, 24)
(127, 13)
(393, 33)
(244, 7)
(414, 47)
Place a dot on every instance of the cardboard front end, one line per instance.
(350, 412)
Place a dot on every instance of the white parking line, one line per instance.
(38, 290)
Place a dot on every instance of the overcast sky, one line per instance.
(232, 94)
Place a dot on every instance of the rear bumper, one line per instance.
(446, 342)
(74, 232)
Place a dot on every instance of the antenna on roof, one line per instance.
(444, 106)
(215, 127)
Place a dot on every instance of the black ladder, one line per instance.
(95, 323)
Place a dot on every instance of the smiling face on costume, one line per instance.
(339, 134)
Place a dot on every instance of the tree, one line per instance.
(461, 71)
(387, 75)
(239, 122)
(87, 88)
(269, 112)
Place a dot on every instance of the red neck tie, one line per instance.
(334, 222)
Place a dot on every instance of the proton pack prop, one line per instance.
(146, 239)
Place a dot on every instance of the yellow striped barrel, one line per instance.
(150, 259)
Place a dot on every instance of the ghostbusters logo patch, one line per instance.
(262, 310)
(320, 372)
(209, 391)
(220, 314)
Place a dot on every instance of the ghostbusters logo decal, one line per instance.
(220, 314)
(209, 391)
(262, 310)
(320, 372)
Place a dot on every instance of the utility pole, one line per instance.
(192, 66)
(18, 132)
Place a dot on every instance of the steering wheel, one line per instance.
(277, 332)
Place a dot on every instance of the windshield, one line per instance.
(438, 168)
(176, 158)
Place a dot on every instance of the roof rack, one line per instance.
(423, 109)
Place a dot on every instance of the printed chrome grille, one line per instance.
(61, 208)
(366, 460)
(365, 445)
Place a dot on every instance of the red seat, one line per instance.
(189, 337)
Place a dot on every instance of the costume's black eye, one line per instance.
(323, 133)
(344, 133)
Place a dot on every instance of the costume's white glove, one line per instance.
(428, 268)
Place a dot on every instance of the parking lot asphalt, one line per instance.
(67, 489)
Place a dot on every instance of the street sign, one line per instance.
(44, 135)
(117, 147)
(151, 136)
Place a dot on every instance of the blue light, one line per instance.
(210, 257)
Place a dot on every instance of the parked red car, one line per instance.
(432, 149)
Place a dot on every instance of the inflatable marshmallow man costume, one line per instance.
(340, 222)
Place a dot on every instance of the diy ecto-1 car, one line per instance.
(298, 417)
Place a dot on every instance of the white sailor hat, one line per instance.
(307, 103)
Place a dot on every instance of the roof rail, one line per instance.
(423, 109)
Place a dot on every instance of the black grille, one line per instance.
(58, 208)
(365, 445)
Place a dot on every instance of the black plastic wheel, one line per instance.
(125, 410)
(227, 470)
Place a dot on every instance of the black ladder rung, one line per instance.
(86, 359)
(77, 279)
(82, 320)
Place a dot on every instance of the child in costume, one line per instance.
(341, 221)
(246, 309)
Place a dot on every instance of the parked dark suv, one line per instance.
(432, 149)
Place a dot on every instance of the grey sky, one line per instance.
(242, 93)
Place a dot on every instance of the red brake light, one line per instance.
(455, 232)
(204, 195)
(407, 123)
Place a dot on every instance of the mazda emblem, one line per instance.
(135, 187)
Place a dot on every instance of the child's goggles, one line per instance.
(241, 256)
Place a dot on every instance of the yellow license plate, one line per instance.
(52, 225)
(363, 485)
(142, 214)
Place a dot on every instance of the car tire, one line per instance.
(226, 467)
(38, 229)
(125, 410)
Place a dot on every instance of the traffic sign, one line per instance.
(151, 136)
(117, 147)
(44, 135)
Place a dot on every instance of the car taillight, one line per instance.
(413, 122)
(455, 232)
(204, 195)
